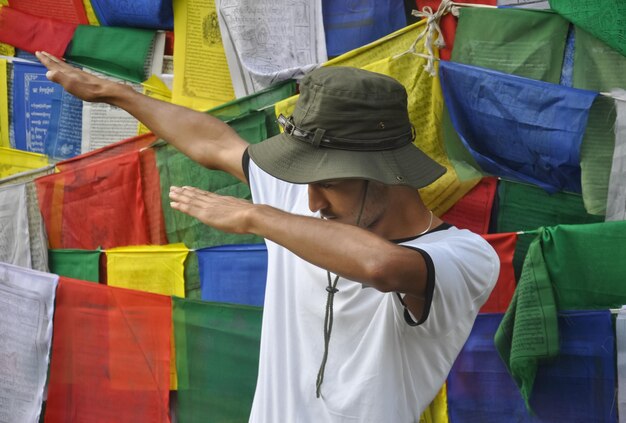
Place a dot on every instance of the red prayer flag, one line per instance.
(500, 297)
(473, 210)
(32, 33)
(70, 11)
(97, 205)
(110, 355)
(448, 22)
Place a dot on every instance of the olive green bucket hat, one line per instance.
(348, 124)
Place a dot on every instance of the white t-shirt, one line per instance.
(379, 368)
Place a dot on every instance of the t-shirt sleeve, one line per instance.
(466, 269)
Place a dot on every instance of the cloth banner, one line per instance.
(70, 11)
(579, 385)
(526, 208)
(616, 198)
(473, 210)
(137, 14)
(604, 19)
(14, 236)
(27, 307)
(437, 411)
(516, 127)
(52, 118)
(120, 52)
(16, 161)
(99, 204)
(448, 22)
(233, 274)
(502, 293)
(600, 68)
(217, 354)
(567, 267)
(150, 268)
(32, 33)
(349, 25)
(38, 240)
(5, 137)
(620, 339)
(110, 355)
(76, 264)
(150, 183)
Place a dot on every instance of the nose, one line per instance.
(317, 200)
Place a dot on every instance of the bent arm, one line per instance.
(203, 138)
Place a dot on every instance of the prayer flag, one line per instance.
(620, 339)
(138, 13)
(151, 268)
(500, 297)
(27, 307)
(14, 236)
(233, 273)
(76, 264)
(32, 33)
(473, 210)
(99, 204)
(517, 127)
(71, 11)
(437, 411)
(16, 161)
(349, 25)
(110, 355)
(217, 353)
(616, 199)
(120, 52)
(579, 385)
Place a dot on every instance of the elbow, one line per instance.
(381, 275)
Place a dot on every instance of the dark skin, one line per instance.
(336, 243)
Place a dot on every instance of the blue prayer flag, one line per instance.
(351, 24)
(151, 14)
(518, 128)
(579, 385)
(233, 273)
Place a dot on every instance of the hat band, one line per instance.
(317, 139)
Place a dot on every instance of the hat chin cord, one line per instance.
(328, 317)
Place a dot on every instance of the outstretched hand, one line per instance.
(228, 214)
(81, 84)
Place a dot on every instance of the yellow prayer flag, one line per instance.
(14, 161)
(201, 75)
(155, 88)
(152, 268)
(437, 411)
(91, 14)
(4, 105)
(7, 50)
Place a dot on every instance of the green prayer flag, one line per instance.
(528, 332)
(120, 52)
(602, 18)
(77, 264)
(597, 67)
(524, 207)
(217, 353)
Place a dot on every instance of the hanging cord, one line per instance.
(328, 317)
(432, 33)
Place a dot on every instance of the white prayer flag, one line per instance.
(616, 197)
(14, 234)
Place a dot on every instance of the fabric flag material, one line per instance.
(14, 236)
(437, 411)
(577, 386)
(233, 274)
(5, 138)
(473, 210)
(51, 121)
(217, 353)
(349, 25)
(99, 204)
(620, 339)
(70, 11)
(502, 293)
(76, 264)
(32, 33)
(526, 208)
(616, 199)
(16, 161)
(120, 52)
(516, 127)
(110, 355)
(138, 14)
(604, 19)
(27, 307)
(151, 268)
(600, 68)
(150, 183)
(38, 240)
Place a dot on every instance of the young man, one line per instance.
(369, 297)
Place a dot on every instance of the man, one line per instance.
(369, 296)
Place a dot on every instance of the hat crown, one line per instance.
(352, 104)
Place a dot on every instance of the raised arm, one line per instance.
(203, 138)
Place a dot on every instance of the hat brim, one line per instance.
(298, 162)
